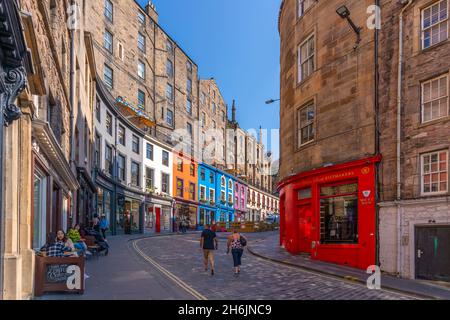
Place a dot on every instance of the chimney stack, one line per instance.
(260, 134)
(151, 11)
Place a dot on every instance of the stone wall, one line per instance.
(341, 87)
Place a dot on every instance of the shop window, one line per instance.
(40, 203)
(339, 214)
(435, 173)
(435, 99)
(202, 217)
(435, 24)
(304, 194)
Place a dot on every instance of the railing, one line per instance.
(246, 226)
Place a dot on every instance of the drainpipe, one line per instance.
(72, 109)
(377, 142)
(407, 4)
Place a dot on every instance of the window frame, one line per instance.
(142, 45)
(139, 173)
(106, 79)
(124, 157)
(110, 49)
(163, 158)
(309, 123)
(141, 69)
(300, 76)
(422, 98)
(422, 173)
(133, 143)
(124, 135)
(423, 29)
(147, 150)
(105, 11)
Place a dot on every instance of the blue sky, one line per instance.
(237, 43)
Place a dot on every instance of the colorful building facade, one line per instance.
(185, 183)
(224, 196)
(207, 210)
(240, 200)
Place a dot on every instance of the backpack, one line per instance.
(243, 241)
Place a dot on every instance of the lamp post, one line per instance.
(344, 13)
(272, 101)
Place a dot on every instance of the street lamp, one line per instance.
(344, 13)
(272, 101)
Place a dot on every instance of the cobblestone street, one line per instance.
(170, 268)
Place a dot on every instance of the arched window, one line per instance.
(230, 184)
(222, 182)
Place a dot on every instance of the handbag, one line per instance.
(243, 241)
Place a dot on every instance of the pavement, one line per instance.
(269, 249)
(170, 267)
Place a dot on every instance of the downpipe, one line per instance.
(407, 4)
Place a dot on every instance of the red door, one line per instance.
(305, 223)
(158, 220)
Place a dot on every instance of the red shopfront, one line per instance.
(330, 214)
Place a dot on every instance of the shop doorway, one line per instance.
(157, 220)
(432, 257)
(305, 224)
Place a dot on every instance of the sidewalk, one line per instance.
(269, 249)
(123, 275)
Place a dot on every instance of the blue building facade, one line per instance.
(225, 196)
(207, 210)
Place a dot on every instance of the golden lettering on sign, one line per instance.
(335, 176)
(365, 170)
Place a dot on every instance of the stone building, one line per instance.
(143, 65)
(328, 152)
(213, 116)
(414, 203)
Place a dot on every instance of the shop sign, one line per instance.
(367, 198)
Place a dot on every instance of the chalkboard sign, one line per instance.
(57, 273)
(54, 274)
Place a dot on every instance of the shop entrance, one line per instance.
(158, 220)
(432, 257)
(305, 224)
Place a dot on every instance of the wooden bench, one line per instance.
(92, 245)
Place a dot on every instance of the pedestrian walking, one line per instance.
(209, 243)
(104, 225)
(236, 242)
(127, 222)
(96, 223)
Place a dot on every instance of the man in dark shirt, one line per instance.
(208, 242)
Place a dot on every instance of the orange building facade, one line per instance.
(185, 182)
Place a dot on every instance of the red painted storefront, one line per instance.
(329, 213)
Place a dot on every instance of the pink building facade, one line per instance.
(240, 200)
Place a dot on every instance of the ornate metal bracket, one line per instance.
(14, 82)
